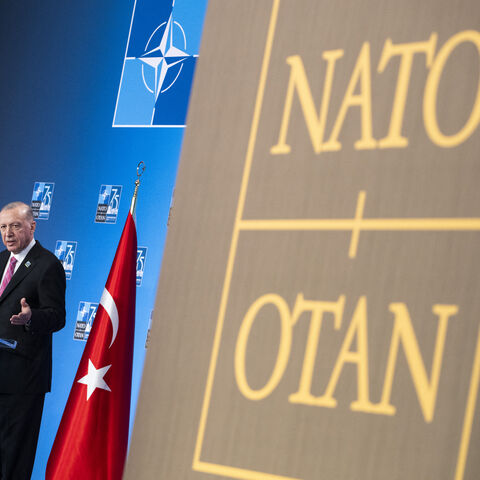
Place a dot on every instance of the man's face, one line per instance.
(16, 230)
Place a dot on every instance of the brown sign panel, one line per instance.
(317, 314)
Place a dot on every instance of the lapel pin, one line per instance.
(27, 264)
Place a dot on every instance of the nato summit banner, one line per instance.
(317, 314)
(88, 91)
(159, 64)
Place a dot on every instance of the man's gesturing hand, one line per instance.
(23, 318)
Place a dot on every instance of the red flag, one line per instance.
(92, 438)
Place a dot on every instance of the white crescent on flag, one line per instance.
(108, 303)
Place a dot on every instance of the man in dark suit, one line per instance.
(32, 307)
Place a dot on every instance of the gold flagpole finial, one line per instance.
(140, 170)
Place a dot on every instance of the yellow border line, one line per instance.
(197, 463)
(359, 224)
(238, 473)
(364, 224)
(469, 414)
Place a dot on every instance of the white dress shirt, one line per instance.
(20, 256)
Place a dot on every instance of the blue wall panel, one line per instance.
(61, 68)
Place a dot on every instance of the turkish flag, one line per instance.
(92, 438)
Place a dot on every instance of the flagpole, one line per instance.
(140, 170)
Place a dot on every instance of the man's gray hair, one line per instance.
(27, 209)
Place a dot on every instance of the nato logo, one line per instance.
(141, 256)
(85, 317)
(108, 203)
(159, 64)
(65, 251)
(42, 200)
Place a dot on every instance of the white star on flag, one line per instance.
(94, 379)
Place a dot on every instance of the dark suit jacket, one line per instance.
(41, 280)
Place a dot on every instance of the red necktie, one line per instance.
(8, 274)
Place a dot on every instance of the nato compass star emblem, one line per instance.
(158, 70)
(164, 57)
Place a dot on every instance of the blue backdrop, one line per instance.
(63, 70)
